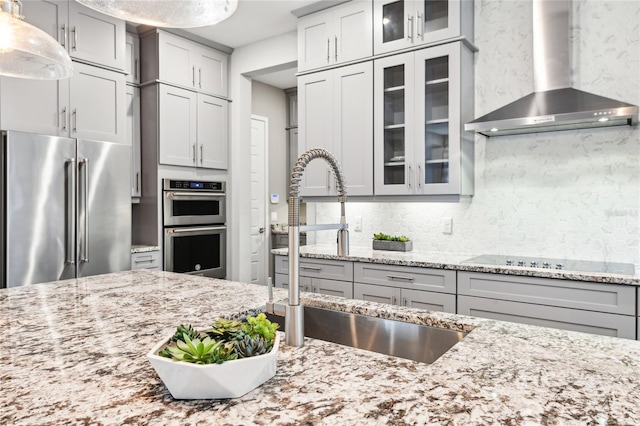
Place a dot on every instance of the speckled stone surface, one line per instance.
(440, 260)
(75, 350)
(143, 249)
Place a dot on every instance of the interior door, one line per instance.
(259, 246)
(104, 207)
(40, 195)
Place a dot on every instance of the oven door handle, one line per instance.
(194, 195)
(195, 229)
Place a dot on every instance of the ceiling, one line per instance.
(256, 20)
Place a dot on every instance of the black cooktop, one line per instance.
(549, 263)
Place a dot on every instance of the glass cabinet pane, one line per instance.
(394, 125)
(436, 148)
(436, 15)
(393, 21)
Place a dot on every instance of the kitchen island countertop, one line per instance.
(77, 355)
(455, 261)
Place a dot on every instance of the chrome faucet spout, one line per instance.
(294, 313)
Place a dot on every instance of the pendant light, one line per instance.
(166, 13)
(27, 51)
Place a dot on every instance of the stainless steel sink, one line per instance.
(396, 338)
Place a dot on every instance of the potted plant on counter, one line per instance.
(225, 361)
(393, 243)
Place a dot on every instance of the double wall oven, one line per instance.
(195, 234)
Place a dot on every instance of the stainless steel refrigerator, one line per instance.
(65, 208)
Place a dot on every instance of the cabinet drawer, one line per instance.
(318, 268)
(146, 260)
(615, 299)
(406, 277)
(282, 281)
(319, 285)
(549, 316)
(429, 300)
(376, 293)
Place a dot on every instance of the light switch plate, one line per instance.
(274, 216)
(447, 225)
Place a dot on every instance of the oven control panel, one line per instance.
(194, 185)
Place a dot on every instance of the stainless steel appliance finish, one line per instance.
(550, 263)
(66, 208)
(193, 202)
(553, 105)
(195, 235)
(396, 338)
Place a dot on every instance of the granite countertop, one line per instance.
(143, 249)
(455, 261)
(78, 356)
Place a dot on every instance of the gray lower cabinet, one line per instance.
(321, 276)
(605, 309)
(146, 260)
(427, 300)
(319, 285)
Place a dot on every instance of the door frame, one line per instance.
(267, 232)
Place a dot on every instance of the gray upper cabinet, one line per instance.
(335, 113)
(402, 24)
(181, 62)
(419, 142)
(193, 129)
(91, 105)
(336, 35)
(88, 36)
(132, 67)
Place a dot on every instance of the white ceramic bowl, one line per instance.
(231, 379)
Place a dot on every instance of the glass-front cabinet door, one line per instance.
(393, 118)
(399, 24)
(421, 100)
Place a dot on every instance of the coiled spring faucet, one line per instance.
(294, 311)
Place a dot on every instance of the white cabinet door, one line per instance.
(176, 60)
(394, 125)
(353, 126)
(429, 301)
(50, 16)
(37, 106)
(132, 67)
(393, 25)
(335, 35)
(97, 104)
(133, 138)
(315, 96)
(95, 37)
(213, 132)
(212, 72)
(177, 126)
(376, 293)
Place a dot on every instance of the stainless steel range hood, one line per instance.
(554, 105)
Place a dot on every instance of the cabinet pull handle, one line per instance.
(194, 152)
(404, 301)
(74, 46)
(410, 28)
(419, 26)
(138, 182)
(64, 119)
(399, 277)
(393, 300)
(310, 268)
(75, 120)
(328, 47)
(420, 179)
(135, 69)
(64, 35)
(409, 176)
(335, 47)
(201, 154)
(143, 261)
(193, 76)
(200, 77)
(328, 180)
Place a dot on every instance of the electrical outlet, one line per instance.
(357, 224)
(274, 216)
(447, 225)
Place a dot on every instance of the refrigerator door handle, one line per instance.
(85, 198)
(70, 258)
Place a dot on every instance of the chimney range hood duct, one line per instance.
(554, 105)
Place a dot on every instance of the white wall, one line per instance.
(250, 59)
(573, 194)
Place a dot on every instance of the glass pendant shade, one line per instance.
(166, 13)
(28, 52)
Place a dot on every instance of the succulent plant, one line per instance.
(223, 329)
(205, 351)
(386, 237)
(260, 326)
(185, 329)
(252, 346)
